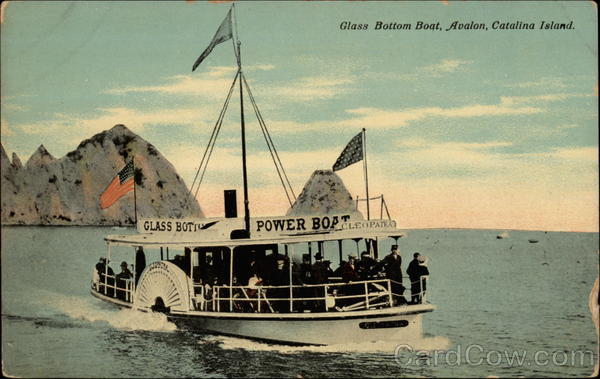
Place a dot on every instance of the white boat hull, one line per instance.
(402, 324)
(166, 282)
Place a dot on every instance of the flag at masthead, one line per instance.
(223, 34)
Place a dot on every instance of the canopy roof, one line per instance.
(281, 230)
(158, 240)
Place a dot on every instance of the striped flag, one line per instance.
(120, 185)
(351, 154)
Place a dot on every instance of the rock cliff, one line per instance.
(66, 191)
(324, 193)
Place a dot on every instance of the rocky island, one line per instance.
(66, 191)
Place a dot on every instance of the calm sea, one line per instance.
(506, 307)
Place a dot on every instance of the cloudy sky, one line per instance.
(470, 129)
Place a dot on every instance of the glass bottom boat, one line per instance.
(257, 287)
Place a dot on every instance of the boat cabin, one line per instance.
(326, 263)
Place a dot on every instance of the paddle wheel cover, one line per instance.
(166, 281)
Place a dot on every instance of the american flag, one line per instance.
(351, 154)
(120, 185)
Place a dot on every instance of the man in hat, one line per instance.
(416, 270)
(122, 278)
(306, 269)
(364, 266)
(349, 274)
(392, 264)
(103, 270)
(320, 273)
(280, 277)
(208, 272)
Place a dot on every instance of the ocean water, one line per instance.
(506, 307)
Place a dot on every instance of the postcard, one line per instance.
(299, 189)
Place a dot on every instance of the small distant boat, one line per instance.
(533, 241)
(502, 235)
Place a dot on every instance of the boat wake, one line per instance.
(378, 347)
(94, 312)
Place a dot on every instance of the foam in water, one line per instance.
(127, 319)
(385, 347)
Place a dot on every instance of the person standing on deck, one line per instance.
(392, 264)
(280, 277)
(320, 275)
(208, 272)
(320, 271)
(348, 271)
(102, 272)
(140, 263)
(416, 269)
(306, 270)
(365, 265)
(122, 278)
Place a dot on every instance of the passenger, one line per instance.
(328, 270)
(100, 266)
(280, 277)
(122, 278)
(417, 269)
(338, 271)
(364, 267)
(348, 271)
(330, 302)
(320, 275)
(319, 270)
(140, 263)
(99, 271)
(102, 269)
(208, 273)
(306, 270)
(176, 260)
(305, 277)
(296, 273)
(254, 284)
(392, 264)
(281, 274)
(265, 266)
(186, 261)
(246, 269)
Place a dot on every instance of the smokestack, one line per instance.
(230, 203)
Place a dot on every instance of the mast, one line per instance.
(243, 127)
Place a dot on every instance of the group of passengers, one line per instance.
(274, 271)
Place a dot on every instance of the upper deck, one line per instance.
(179, 233)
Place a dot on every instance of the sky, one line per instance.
(465, 128)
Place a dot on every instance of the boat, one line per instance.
(502, 235)
(241, 276)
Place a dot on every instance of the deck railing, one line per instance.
(107, 285)
(327, 297)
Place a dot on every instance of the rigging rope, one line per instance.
(198, 178)
(212, 140)
(271, 146)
